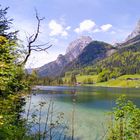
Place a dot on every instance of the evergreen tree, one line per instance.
(5, 25)
(73, 79)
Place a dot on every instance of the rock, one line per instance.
(132, 39)
(135, 32)
(74, 49)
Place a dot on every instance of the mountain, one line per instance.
(125, 61)
(93, 52)
(107, 61)
(135, 32)
(133, 38)
(96, 50)
(55, 68)
(83, 52)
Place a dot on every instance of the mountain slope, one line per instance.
(84, 52)
(94, 51)
(125, 61)
(55, 68)
(133, 38)
(135, 32)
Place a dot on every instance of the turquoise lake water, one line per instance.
(88, 106)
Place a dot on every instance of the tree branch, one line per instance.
(40, 49)
(32, 39)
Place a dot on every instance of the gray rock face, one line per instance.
(79, 44)
(135, 32)
(132, 39)
(74, 49)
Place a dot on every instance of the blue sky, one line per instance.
(65, 20)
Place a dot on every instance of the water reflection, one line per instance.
(92, 97)
(90, 105)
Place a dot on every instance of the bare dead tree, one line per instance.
(32, 39)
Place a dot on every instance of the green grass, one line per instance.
(129, 76)
(84, 78)
(122, 81)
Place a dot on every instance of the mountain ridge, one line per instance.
(84, 51)
(55, 68)
(133, 38)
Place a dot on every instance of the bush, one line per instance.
(126, 121)
(104, 76)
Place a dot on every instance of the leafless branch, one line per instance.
(37, 48)
(32, 39)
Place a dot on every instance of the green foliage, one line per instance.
(125, 61)
(11, 83)
(5, 25)
(96, 50)
(59, 81)
(11, 75)
(70, 78)
(32, 78)
(73, 79)
(126, 121)
(7, 68)
(47, 80)
(87, 79)
(11, 126)
(104, 76)
(122, 81)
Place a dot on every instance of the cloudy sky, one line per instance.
(65, 20)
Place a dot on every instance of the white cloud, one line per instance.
(68, 28)
(38, 59)
(106, 27)
(96, 30)
(57, 29)
(86, 25)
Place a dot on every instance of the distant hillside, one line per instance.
(85, 54)
(112, 61)
(133, 38)
(130, 42)
(125, 61)
(55, 68)
(93, 52)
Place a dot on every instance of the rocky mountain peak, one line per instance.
(78, 44)
(60, 56)
(135, 32)
(74, 49)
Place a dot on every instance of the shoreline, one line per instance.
(37, 87)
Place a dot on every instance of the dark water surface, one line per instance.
(90, 105)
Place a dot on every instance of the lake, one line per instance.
(85, 109)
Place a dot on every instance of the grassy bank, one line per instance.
(87, 78)
(122, 81)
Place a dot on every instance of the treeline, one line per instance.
(34, 79)
(125, 61)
